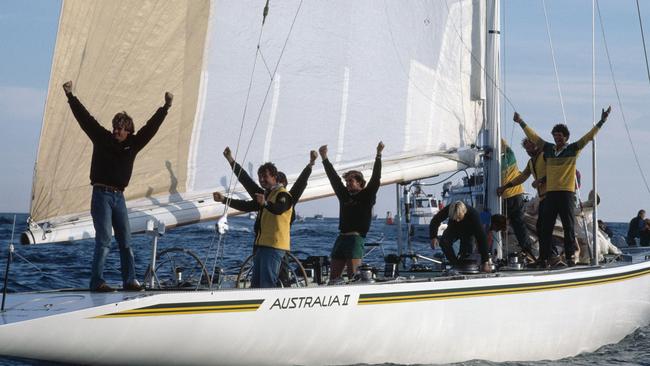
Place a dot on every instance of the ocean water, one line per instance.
(67, 265)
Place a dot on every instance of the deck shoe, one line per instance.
(133, 286)
(104, 287)
(528, 256)
(556, 262)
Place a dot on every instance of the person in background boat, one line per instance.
(464, 224)
(634, 229)
(561, 158)
(644, 235)
(272, 226)
(513, 195)
(253, 188)
(356, 200)
(110, 171)
(536, 166)
(604, 228)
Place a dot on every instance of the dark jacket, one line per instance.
(470, 224)
(112, 161)
(252, 188)
(633, 230)
(355, 210)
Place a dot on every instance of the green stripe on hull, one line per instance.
(188, 308)
(432, 295)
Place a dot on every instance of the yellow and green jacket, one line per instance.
(275, 220)
(561, 168)
(537, 167)
(509, 171)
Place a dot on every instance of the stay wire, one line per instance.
(620, 104)
(557, 76)
(221, 240)
(645, 52)
(268, 89)
(261, 109)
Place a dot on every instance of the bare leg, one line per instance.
(352, 265)
(337, 266)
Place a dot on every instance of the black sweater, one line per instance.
(112, 161)
(470, 224)
(251, 187)
(355, 210)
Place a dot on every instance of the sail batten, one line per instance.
(346, 74)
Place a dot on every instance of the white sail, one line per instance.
(346, 74)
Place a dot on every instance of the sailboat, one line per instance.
(302, 74)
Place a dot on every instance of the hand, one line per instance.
(67, 87)
(169, 97)
(517, 118)
(434, 243)
(500, 190)
(380, 147)
(259, 197)
(312, 157)
(323, 152)
(605, 113)
(536, 183)
(218, 197)
(228, 155)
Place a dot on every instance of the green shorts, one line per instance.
(348, 247)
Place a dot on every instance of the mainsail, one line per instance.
(343, 73)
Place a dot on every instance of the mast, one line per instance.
(594, 223)
(493, 111)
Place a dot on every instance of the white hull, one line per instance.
(527, 317)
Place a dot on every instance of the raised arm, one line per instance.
(373, 183)
(87, 122)
(584, 140)
(333, 177)
(301, 183)
(147, 132)
(530, 133)
(246, 181)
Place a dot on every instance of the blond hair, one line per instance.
(457, 211)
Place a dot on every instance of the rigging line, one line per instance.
(275, 70)
(620, 104)
(248, 93)
(266, 65)
(557, 76)
(645, 52)
(241, 127)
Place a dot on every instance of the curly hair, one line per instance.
(124, 121)
(561, 128)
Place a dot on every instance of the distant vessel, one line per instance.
(318, 217)
(421, 207)
(389, 218)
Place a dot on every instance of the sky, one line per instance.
(28, 32)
